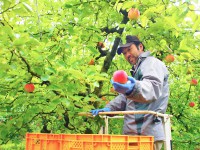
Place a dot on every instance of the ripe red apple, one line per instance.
(120, 76)
(101, 44)
(169, 58)
(29, 87)
(103, 98)
(192, 104)
(193, 82)
(92, 62)
(133, 14)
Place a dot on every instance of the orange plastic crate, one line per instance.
(41, 141)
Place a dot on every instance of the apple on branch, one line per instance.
(169, 58)
(103, 98)
(193, 82)
(92, 62)
(101, 44)
(192, 104)
(29, 87)
(133, 14)
(120, 76)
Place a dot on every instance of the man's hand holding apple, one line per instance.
(122, 87)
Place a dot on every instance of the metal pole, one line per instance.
(106, 125)
(167, 129)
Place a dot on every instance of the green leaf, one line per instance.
(144, 21)
(33, 42)
(51, 70)
(76, 73)
(44, 77)
(186, 55)
(68, 6)
(56, 101)
(54, 87)
(19, 42)
(182, 50)
(19, 122)
(183, 44)
(6, 4)
(118, 6)
(92, 49)
(20, 10)
(28, 7)
(99, 78)
(163, 43)
(129, 4)
(171, 23)
(196, 25)
(3, 132)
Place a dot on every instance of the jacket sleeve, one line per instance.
(118, 103)
(150, 87)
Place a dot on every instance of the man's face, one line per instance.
(132, 53)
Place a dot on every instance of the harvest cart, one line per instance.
(118, 114)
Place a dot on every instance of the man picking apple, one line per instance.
(146, 89)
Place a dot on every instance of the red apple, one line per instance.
(92, 62)
(29, 87)
(101, 44)
(133, 14)
(192, 104)
(193, 82)
(120, 76)
(169, 58)
(103, 98)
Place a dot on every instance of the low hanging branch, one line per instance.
(110, 55)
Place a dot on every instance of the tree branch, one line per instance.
(28, 67)
(9, 8)
(111, 55)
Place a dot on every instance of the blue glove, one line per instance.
(124, 88)
(96, 111)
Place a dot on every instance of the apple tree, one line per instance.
(66, 50)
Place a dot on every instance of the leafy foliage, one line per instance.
(50, 43)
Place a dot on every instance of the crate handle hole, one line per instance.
(133, 144)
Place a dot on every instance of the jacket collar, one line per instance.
(140, 59)
(144, 54)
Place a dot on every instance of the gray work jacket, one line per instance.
(151, 92)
